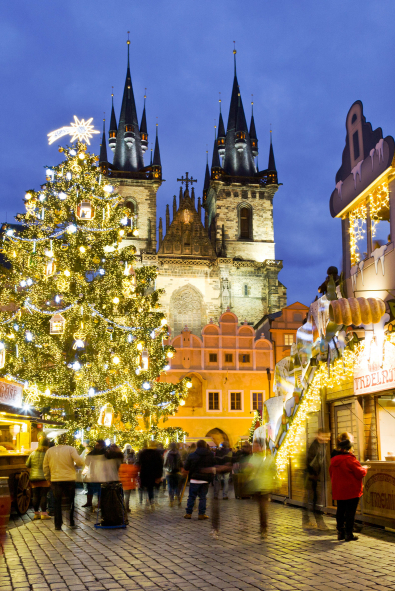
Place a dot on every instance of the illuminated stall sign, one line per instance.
(374, 369)
(10, 394)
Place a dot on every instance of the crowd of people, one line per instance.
(110, 475)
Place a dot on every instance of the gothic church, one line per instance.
(229, 260)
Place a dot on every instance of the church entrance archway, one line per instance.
(218, 436)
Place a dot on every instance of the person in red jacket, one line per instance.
(346, 475)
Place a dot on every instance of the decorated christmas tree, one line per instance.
(79, 326)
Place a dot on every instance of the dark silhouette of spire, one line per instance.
(143, 129)
(206, 179)
(103, 146)
(156, 161)
(221, 133)
(128, 154)
(215, 162)
(272, 162)
(112, 133)
(167, 218)
(253, 138)
(160, 231)
(238, 161)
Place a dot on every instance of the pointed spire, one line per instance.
(103, 145)
(167, 218)
(128, 154)
(151, 157)
(174, 206)
(157, 161)
(221, 131)
(143, 128)
(272, 162)
(112, 132)
(237, 161)
(254, 139)
(180, 197)
(234, 54)
(200, 208)
(206, 179)
(215, 162)
(193, 196)
(160, 231)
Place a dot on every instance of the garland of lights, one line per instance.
(341, 370)
(72, 366)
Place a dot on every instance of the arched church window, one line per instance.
(245, 223)
(132, 213)
(187, 309)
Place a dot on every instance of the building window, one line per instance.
(213, 358)
(235, 401)
(245, 223)
(213, 401)
(228, 358)
(244, 358)
(257, 401)
(288, 339)
(297, 318)
(246, 290)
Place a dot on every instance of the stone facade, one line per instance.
(224, 205)
(200, 283)
(142, 194)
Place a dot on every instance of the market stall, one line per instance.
(19, 428)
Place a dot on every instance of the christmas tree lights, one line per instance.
(79, 326)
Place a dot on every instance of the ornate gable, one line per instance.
(186, 235)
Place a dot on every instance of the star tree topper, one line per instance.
(79, 130)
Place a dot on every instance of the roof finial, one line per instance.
(220, 101)
(252, 105)
(234, 54)
(271, 134)
(206, 156)
(128, 44)
(112, 96)
(215, 129)
(145, 96)
(157, 127)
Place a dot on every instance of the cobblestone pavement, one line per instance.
(161, 550)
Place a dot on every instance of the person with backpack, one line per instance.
(172, 467)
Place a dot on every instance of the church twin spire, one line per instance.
(238, 146)
(128, 140)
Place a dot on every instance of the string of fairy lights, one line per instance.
(70, 258)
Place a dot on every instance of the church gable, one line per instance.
(186, 235)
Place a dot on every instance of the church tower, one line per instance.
(137, 183)
(238, 197)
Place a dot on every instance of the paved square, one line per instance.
(161, 550)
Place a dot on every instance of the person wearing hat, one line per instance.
(346, 475)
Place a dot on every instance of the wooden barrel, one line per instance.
(5, 507)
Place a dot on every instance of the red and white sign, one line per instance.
(374, 370)
(10, 393)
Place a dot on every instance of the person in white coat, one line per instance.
(59, 467)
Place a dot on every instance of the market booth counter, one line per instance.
(19, 427)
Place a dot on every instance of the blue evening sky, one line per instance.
(305, 62)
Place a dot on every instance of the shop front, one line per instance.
(19, 427)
